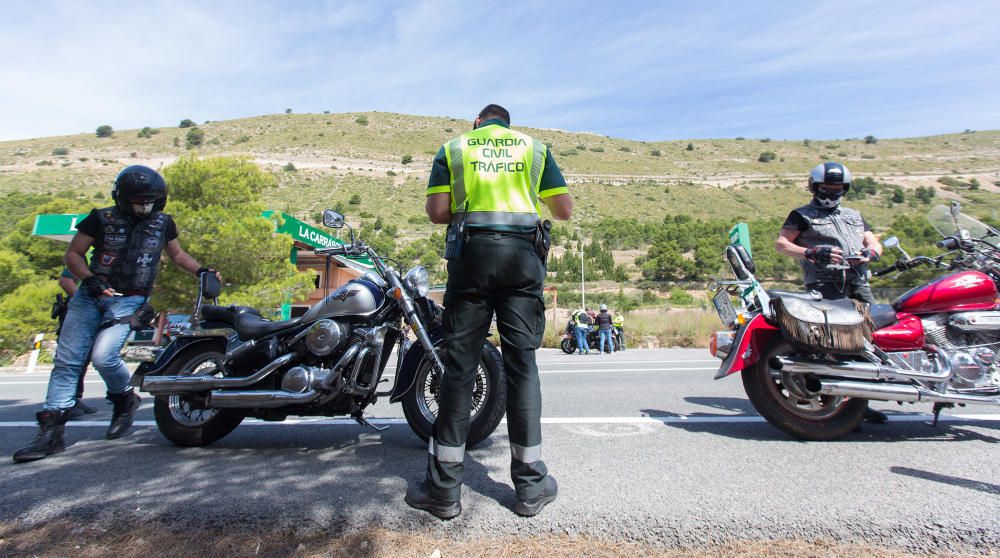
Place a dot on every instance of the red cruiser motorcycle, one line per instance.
(809, 364)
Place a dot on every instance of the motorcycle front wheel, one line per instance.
(180, 418)
(489, 397)
(568, 346)
(782, 400)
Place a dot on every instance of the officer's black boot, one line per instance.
(529, 507)
(124, 413)
(49, 440)
(421, 497)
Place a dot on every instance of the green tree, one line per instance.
(871, 140)
(42, 255)
(25, 312)
(898, 196)
(14, 271)
(105, 131)
(195, 137)
(186, 123)
(407, 159)
(690, 147)
(216, 203)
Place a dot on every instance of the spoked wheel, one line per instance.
(783, 400)
(489, 398)
(185, 420)
(568, 346)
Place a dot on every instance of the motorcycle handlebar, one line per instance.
(949, 243)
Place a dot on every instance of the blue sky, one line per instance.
(638, 70)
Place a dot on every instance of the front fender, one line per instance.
(407, 373)
(750, 338)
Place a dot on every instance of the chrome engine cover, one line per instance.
(298, 379)
(981, 322)
(325, 337)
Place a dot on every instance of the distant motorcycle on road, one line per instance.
(568, 342)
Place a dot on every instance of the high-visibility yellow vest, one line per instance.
(497, 171)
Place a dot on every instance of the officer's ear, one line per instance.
(477, 122)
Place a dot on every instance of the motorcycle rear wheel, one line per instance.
(179, 419)
(489, 398)
(818, 418)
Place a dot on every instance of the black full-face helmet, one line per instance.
(139, 191)
(829, 173)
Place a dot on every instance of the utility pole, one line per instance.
(583, 292)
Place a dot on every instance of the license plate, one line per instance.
(724, 306)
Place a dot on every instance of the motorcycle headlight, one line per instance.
(417, 281)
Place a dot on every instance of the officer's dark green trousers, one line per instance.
(502, 274)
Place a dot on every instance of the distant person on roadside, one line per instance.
(619, 324)
(604, 322)
(834, 244)
(69, 285)
(128, 239)
(582, 320)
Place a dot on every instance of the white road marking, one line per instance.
(678, 419)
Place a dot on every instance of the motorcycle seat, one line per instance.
(883, 315)
(250, 326)
(226, 314)
(807, 295)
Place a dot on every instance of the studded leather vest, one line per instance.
(841, 227)
(128, 254)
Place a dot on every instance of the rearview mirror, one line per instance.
(333, 219)
(891, 242)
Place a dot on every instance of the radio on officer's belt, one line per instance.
(454, 240)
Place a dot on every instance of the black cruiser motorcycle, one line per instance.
(232, 363)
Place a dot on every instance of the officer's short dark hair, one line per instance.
(495, 111)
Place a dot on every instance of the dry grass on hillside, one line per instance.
(63, 538)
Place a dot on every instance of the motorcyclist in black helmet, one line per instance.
(834, 244)
(127, 240)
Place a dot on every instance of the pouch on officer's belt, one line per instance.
(454, 239)
(543, 238)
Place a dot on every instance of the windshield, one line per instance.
(947, 224)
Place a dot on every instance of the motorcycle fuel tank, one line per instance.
(966, 290)
(356, 298)
(907, 334)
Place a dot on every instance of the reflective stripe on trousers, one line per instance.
(529, 454)
(446, 454)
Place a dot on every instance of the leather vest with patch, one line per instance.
(128, 254)
(841, 227)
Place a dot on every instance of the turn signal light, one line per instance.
(713, 343)
(397, 293)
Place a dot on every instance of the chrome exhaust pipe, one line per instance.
(857, 369)
(174, 385)
(899, 392)
(258, 399)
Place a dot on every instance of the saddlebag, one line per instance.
(829, 326)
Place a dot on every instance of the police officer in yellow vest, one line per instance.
(492, 180)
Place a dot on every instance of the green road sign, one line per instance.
(740, 234)
(63, 227)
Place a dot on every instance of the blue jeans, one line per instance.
(581, 339)
(606, 334)
(80, 337)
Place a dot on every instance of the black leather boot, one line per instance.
(49, 440)
(123, 414)
(420, 496)
(529, 507)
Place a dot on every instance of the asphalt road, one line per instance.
(645, 445)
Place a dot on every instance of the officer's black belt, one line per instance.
(530, 237)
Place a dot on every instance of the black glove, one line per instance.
(820, 254)
(872, 255)
(95, 286)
